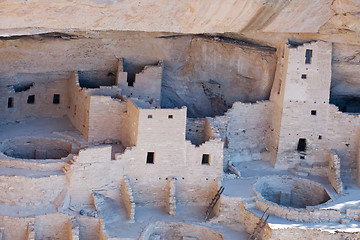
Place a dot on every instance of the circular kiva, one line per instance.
(291, 191)
(36, 148)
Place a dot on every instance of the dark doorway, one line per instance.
(10, 102)
(150, 158)
(31, 99)
(301, 145)
(131, 79)
(205, 159)
(308, 56)
(56, 99)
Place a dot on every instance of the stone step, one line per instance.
(304, 164)
(298, 172)
(319, 164)
(304, 168)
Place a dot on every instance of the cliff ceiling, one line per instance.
(39, 36)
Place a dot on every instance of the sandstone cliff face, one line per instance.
(188, 16)
(204, 73)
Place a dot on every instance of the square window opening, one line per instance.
(149, 116)
(320, 137)
(302, 157)
(31, 99)
(56, 99)
(150, 158)
(301, 147)
(303, 76)
(205, 159)
(313, 112)
(10, 102)
(308, 56)
(170, 116)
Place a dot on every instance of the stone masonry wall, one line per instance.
(79, 102)
(171, 203)
(129, 126)
(195, 128)
(305, 104)
(128, 199)
(43, 104)
(87, 175)
(343, 131)
(247, 128)
(147, 85)
(334, 172)
(105, 118)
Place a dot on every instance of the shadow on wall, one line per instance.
(95, 79)
(346, 104)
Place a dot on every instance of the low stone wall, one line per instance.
(171, 204)
(172, 230)
(128, 199)
(314, 234)
(334, 172)
(299, 215)
(353, 214)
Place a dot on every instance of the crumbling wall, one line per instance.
(87, 175)
(195, 130)
(53, 226)
(334, 171)
(15, 105)
(105, 118)
(146, 85)
(79, 105)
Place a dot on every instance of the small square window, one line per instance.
(149, 116)
(313, 112)
(320, 137)
(170, 116)
(205, 159)
(10, 102)
(150, 158)
(303, 76)
(31, 99)
(302, 157)
(56, 99)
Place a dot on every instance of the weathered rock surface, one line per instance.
(199, 16)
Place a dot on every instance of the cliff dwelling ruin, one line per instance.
(153, 120)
